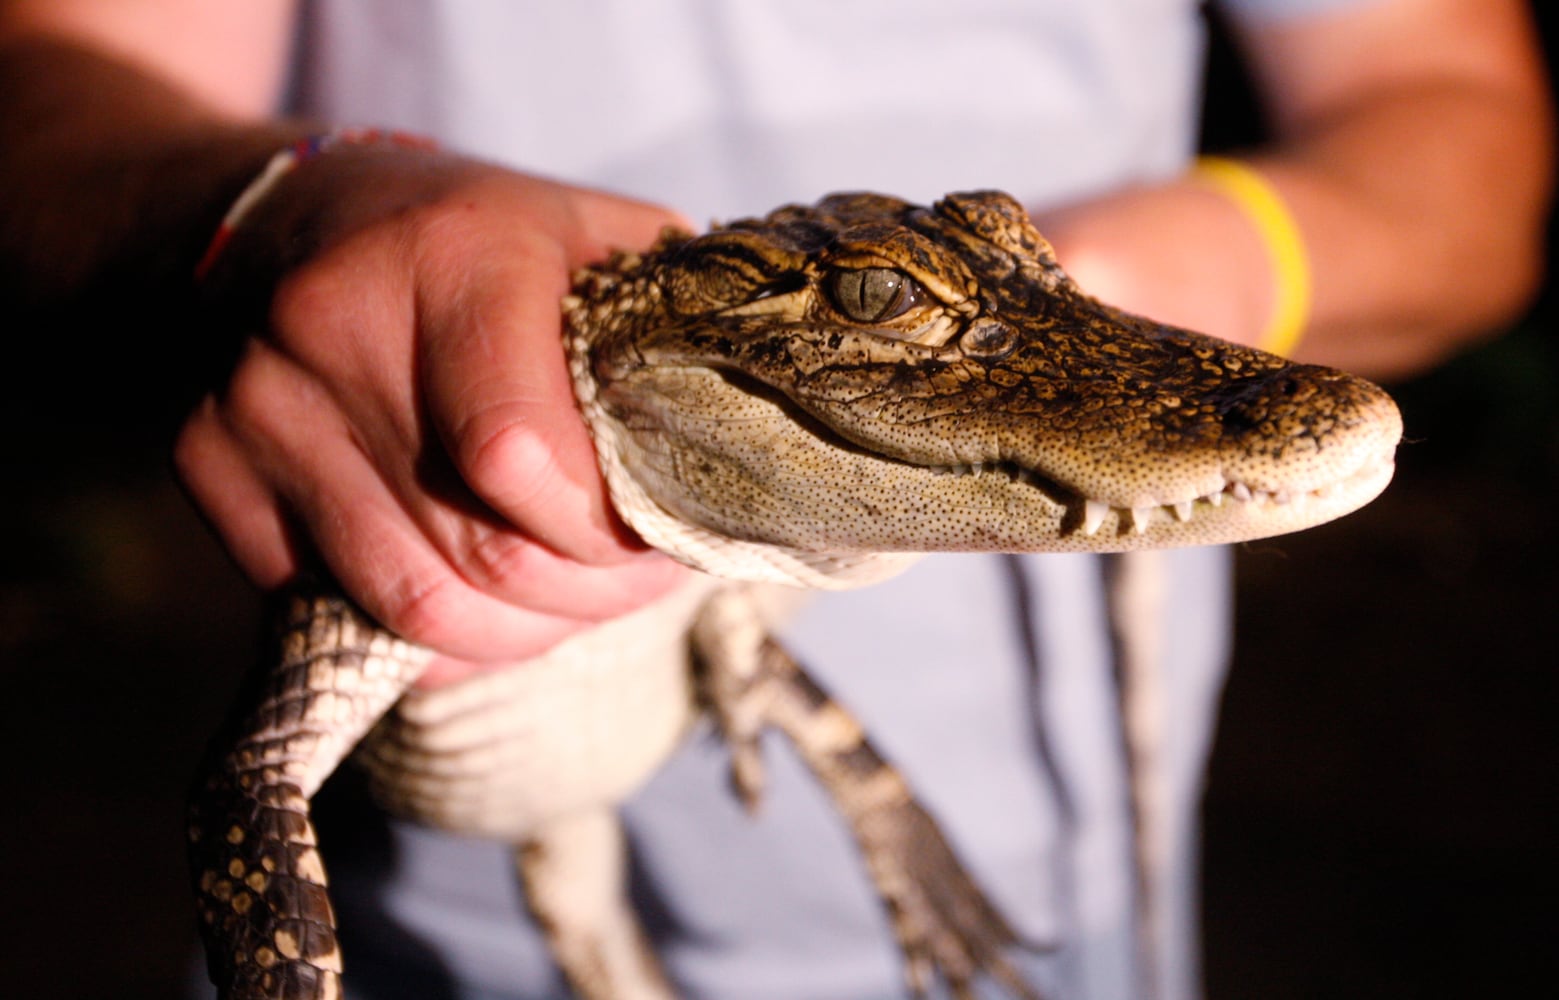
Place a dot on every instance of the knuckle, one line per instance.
(523, 574)
(423, 608)
(342, 308)
(438, 611)
(301, 297)
(500, 564)
(252, 389)
(266, 397)
(321, 285)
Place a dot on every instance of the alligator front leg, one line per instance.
(943, 921)
(265, 911)
(575, 877)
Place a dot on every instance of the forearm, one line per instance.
(1417, 182)
(113, 180)
(1423, 213)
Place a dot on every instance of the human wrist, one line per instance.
(1269, 216)
(1178, 253)
(291, 156)
(315, 203)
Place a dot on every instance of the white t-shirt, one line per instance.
(990, 680)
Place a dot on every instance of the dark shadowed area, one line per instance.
(1380, 816)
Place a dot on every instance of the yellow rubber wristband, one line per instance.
(1267, 211)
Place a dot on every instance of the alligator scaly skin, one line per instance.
(264, 908)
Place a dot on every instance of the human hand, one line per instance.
(1179, 253)
(406, 415)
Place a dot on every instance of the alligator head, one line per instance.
(786, 397)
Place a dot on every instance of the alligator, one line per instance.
(790, 403)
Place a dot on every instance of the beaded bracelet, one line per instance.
(283, 163)
(1264, 207)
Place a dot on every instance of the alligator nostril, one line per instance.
(989, 338)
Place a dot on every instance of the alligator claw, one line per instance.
(945, 925)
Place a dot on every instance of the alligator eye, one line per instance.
(873, 294)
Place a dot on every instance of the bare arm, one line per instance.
(230, 57)
(1412, 144)
(399, 408)
(113, 172)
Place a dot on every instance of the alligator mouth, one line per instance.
(1086, 516)
(1322, 503)
(1240, 506)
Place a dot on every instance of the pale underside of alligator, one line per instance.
(805, 400)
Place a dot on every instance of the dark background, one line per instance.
(1380, 818)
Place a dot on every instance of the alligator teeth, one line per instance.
(1093, 515)
(1138, 519)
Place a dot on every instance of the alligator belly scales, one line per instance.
(804, 400)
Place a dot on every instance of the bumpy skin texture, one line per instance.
(747, 383)
(264, 909)
(801, 399)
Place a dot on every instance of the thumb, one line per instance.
(496, 380)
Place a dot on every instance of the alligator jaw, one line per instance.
(1235, 512)
(857, 448)
(744, 464)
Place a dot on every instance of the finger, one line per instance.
(489, 553)
(490, 350)
(303, 448)
(610, 222)
(236, 502)
(498, 391)
(246, 515)
(378, 556)
(505, 564)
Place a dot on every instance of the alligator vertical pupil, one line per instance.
(868, 295)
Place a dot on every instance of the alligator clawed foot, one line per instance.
(945, 925)
(748, 774)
